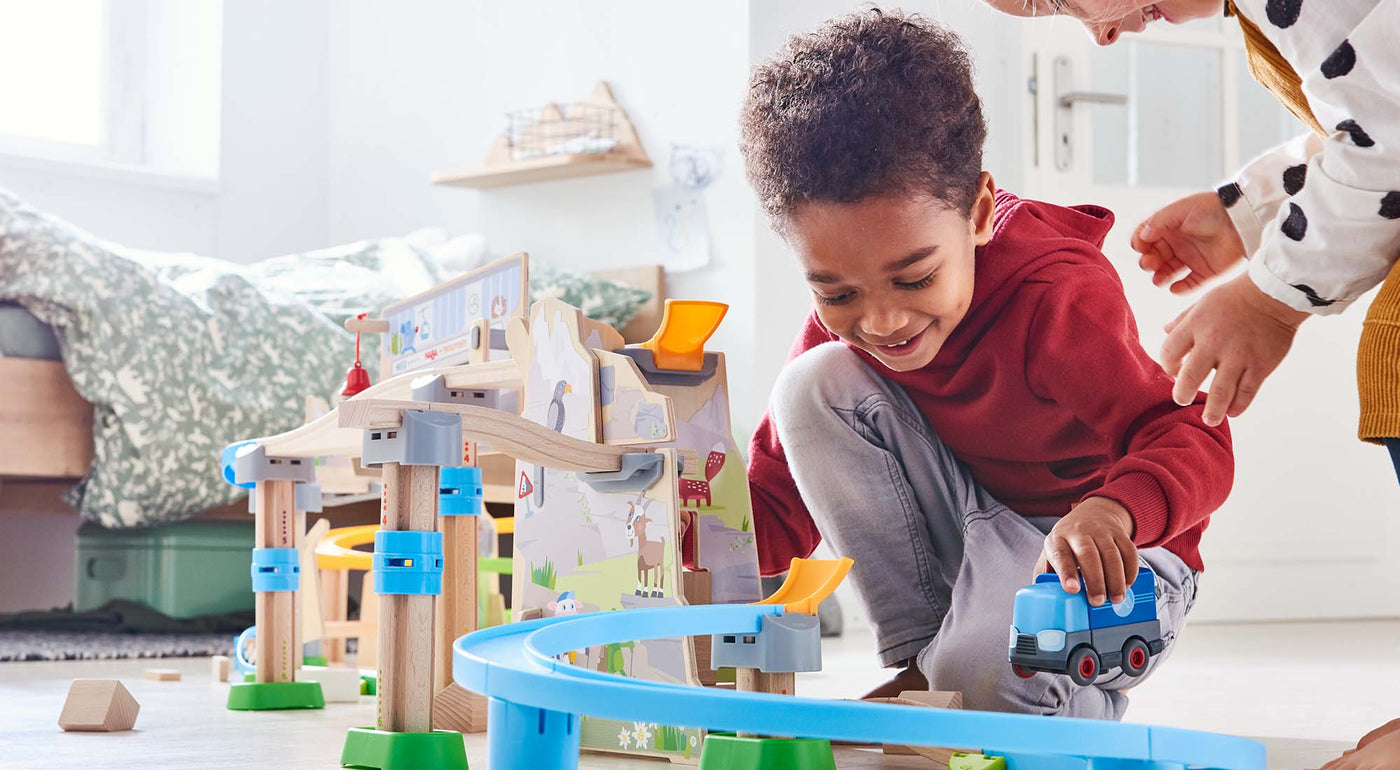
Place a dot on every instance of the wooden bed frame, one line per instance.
(47, 427)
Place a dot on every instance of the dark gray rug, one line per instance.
(102, 645)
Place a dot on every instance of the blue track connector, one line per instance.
(459, 491)
(226, 459)
(276, 569)
(407, 562)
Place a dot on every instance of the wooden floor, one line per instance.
(1306, 689)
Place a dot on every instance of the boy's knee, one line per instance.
(815, 380)
(979, 670)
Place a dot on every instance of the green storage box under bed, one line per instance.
(183, 570)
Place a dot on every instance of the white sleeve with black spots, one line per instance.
(1254, 197)
(1336, 230)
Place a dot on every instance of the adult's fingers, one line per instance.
(1194, 372)
(1245, 393)
(1177, 344)
(1223, 388)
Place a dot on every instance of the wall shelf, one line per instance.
(499, 170)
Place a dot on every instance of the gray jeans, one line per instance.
(938, 560)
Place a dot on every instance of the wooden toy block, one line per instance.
(456, 708)
(162, 674)
(98, 706)
(928, 699)
(218, 667)
(696, 585)
(338, 685)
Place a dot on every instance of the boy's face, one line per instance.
(891, 275)
(1108, 20)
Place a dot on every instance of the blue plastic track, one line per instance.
(514, 665)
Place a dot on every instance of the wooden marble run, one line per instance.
(603, 436)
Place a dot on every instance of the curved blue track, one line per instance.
(514, 666)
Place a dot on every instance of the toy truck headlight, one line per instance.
(1011, 643)
(1050, 640)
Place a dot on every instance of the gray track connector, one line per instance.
(424, 438)
(639, 472)
(433, 388)
(646, 362)
(785, 643)
(253, 465)
(308, 499)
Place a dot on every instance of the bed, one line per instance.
(48, 428)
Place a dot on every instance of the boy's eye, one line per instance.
(839, 299)
(919, 284)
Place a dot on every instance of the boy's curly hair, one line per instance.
(872, 103)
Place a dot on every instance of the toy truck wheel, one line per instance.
(1083, 666)
(1022, 671)
(1135, 657)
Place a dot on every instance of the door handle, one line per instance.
(1065, 99)
(1091, 97)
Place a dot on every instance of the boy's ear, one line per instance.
(983, 209)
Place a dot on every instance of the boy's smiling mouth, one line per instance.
(905, 347)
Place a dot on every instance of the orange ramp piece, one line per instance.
(679, 344)
(808, 582)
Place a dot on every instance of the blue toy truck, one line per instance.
(1058, 632)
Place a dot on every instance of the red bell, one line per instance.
(356, 380)
(356, 377)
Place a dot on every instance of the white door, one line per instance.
(1311, 529)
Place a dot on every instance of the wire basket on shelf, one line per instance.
(574, 128)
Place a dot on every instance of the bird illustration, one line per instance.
(554, 420)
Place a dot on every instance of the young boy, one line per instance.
(968, 402)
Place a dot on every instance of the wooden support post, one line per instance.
(368, 654)
(406, 622)
(455, 708)
(753, 680)
(275, 612)
(335, 592)
(456, 608)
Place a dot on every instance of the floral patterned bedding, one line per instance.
(181, 354)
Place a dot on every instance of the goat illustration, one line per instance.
(650, 554)
(698, 491)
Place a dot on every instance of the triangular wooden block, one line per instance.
(459, 709)
(98, 705)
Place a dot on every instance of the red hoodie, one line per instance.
(1043, 391)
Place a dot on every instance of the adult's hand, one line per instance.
(1193, 236)
(1239, 332)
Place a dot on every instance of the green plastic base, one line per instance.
(976, 762)
(725, 751)
(437, 750)
(314, 660)
(269, 696)
(369, 684)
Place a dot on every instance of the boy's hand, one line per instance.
(1193, 235)
(1095, 538)
(1239, 332)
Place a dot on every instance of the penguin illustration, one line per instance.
(554, 420)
